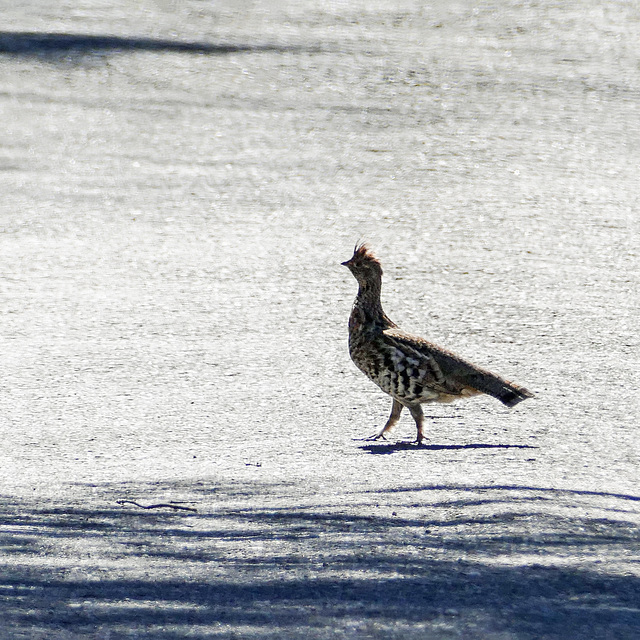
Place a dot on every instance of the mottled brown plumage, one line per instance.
(410, 369)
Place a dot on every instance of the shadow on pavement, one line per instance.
(382, 448)
(497, 562)
(514, 488)
(60, 44)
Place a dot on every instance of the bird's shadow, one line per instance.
(392, 447)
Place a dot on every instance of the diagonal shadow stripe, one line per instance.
(32, 43)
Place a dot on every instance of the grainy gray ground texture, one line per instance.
(180, 181)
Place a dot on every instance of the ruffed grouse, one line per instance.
(410, 369)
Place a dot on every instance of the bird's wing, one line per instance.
(458, 376)
(421, 356)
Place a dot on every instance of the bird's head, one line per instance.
(364, 266)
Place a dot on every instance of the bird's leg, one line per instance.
(396, 410)
(418, 416)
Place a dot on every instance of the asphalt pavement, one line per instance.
(184, 448)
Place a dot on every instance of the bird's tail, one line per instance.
(512, 393)
(509, 393)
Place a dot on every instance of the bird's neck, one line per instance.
(367, 309)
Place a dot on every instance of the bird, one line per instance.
(412, 370)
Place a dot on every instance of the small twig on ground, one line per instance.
(160, 505)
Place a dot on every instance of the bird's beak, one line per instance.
(346, 263)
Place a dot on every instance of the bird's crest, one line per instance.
(363, 252)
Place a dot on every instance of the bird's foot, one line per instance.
(377, 436)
